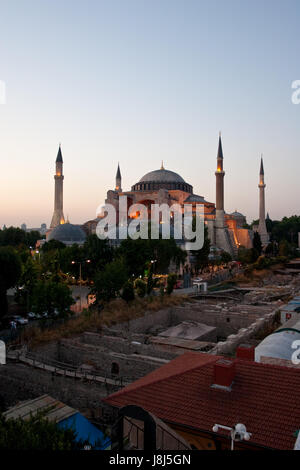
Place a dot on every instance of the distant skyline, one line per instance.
(138, 82)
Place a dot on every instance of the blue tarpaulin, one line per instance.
(86, 431)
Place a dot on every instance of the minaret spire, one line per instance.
(261, 166)
(118, 180)
(220, 183)
(262, 228)
(220, 150)
(59, 155)
(58, 215)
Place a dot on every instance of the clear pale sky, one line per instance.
(138, 82)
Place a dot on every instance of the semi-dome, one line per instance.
(162, 179)
(67, 233)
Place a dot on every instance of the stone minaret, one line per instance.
(220, 173)
(222, 237)
(58, 215)
(262, 229)
(118, 180)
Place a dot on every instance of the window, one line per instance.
(115, 368)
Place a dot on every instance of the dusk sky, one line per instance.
(140, 81)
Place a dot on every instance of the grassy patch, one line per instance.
(116, 311)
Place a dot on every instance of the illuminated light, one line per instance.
(135, 216)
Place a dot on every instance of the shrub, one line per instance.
(225, 257)
(141, 287)
(128, 292)
(171, 281)
(262, 263)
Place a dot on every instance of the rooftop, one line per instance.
(264, 397)
(67, 233)
(55, 410)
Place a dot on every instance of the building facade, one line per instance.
(162, 186)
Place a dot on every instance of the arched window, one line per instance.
(115, 369)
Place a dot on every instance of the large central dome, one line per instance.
(162, 176)
(162, 179)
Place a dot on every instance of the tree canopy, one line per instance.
(14, 236)
(36, 433)
(10, 272)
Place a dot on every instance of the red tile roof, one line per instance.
(264, 397)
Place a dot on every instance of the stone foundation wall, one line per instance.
(128, 365)
(123, 345)
(226, 322)
(101, 352)
(245, 335)
(19, 382)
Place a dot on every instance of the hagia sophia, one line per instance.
(226, 232)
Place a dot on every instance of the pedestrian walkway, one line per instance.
(65, 370)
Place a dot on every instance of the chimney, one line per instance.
(224, 372)
(246, 352)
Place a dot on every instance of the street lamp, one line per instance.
(80, 263)
(153, 261)
(237, 434)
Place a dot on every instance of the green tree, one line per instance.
(245, 255)
(141, 287)
(10, 272)
(52, 245)
(30, 274)
(62, 298)
(138, 253)
(201, 256)
(128, 292)
(135, 254)
(225, 257)
(286, 229)
(16, 237)
(99, 252)
(48, 296)
(284, 248)
(109, 281)
(151, 281)
(171, 282)
(32, 237)
(66, 258)
(165, 252)
(12, 236)
(36, 433)
(257, 246)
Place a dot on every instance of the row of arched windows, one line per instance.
(156, 186)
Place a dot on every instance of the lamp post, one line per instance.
(237, 434)
(153, 261)
(80, 263)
